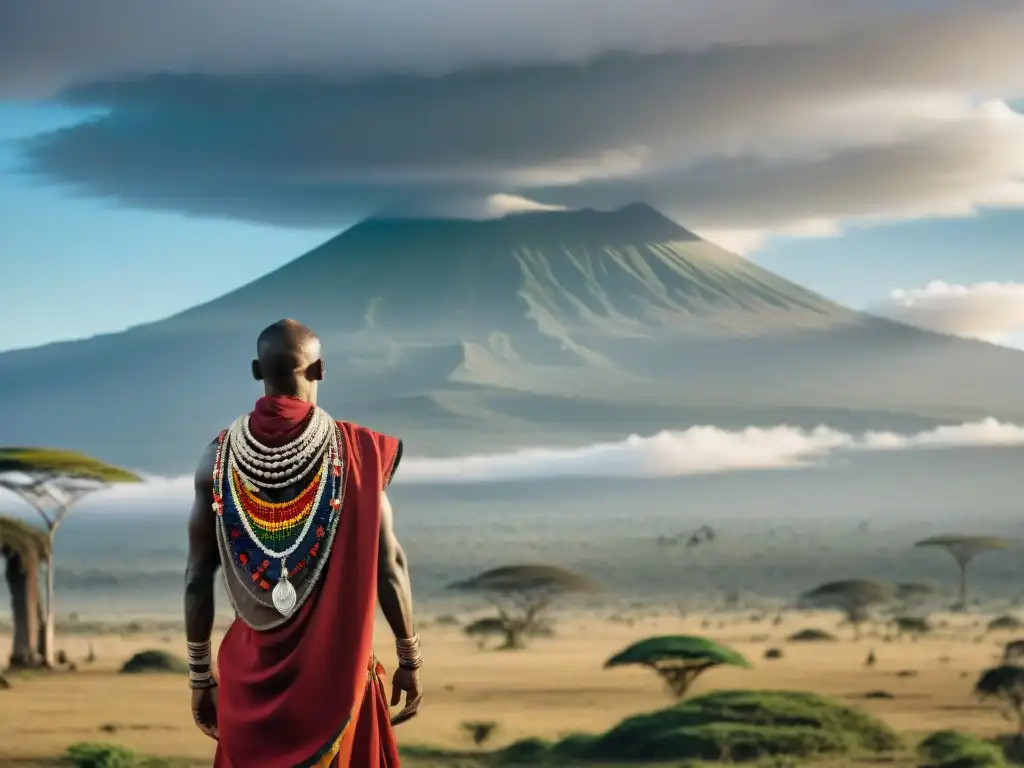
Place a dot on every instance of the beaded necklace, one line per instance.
(265, 535)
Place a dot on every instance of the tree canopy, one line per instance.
(998, 681)
(913, 590)
(964, 547)
(854, 597)
(53, 479)
(678, 659)
(851, 592)
(57, 462)
(525, 578)
(1005, 682)
(522, 593)
(677, 648)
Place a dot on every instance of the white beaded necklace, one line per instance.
(308, 448)
(315, 432)
(315, 422)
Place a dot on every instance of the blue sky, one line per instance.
(207, 162)
(75, 266)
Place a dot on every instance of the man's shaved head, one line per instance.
(288, 359)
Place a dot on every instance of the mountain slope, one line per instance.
(465, 335)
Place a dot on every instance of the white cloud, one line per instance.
(499, 205)
(988, 311)
(696, 451)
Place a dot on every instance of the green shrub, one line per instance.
(812, 636)
(575, 746)
(97, 754)
(953, 749)
(149, 662)
(741, 726)
(527, 752)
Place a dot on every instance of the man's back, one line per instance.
(323, 651)
(292, 505)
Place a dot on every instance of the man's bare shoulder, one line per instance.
(207, 461)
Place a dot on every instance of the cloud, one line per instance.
(92, 40)
(988, 311)
(699, 450)
(738, 118)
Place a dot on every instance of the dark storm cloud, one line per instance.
(45, 45)
(877, 117)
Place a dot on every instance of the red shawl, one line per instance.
(289, 695)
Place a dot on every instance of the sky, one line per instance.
(156, 155)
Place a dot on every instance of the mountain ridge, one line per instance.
(466, 334)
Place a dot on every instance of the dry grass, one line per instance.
(554, 687)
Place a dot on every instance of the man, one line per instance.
(293, 505)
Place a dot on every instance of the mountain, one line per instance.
(465, 335)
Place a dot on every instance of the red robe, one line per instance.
(309, 692)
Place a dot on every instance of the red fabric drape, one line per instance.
(277, 420)
(287, 694)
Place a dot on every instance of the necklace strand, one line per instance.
(306, 526)
(301, 449)
(316, 417)
(255, 468)
(319, 425)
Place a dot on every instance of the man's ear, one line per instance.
(256, 372)
(315, 372)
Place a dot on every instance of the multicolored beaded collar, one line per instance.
(274, 542)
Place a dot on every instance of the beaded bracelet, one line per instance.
(409, 655)
(200, 665)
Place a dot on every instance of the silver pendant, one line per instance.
(283, 595)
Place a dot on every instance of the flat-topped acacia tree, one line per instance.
(522, 594)
(24, 548)
(964, 548)
(1004, 682)
(678, 659)
(51, 481)
(854, 597)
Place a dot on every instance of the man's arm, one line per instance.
(203, 554)
(394, 588)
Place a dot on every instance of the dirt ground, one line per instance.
(554, 687)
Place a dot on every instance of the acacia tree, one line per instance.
(51, 481)
(24, 549)
(964, 549)
(522, 594)
(678, 659)
(915, 626)
(1006, 683)
(911, 594)
(854, 598)
(1013, 651)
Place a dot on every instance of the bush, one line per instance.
(96, 754)
(812, 636)
(148, 662)
(527, 752)
(1004, 623)
(746, 725)
(725, 725)
(952, 749)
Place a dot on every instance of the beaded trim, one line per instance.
(262, 525)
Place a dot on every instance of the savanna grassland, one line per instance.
(553, 688)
